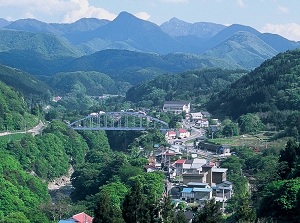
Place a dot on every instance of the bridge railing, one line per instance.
(118, 121)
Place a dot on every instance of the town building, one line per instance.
(177, 107)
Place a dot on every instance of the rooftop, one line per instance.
(181, 161)
(197, 189)
(187, 190)
(219, 170)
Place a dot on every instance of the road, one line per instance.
(35, 130)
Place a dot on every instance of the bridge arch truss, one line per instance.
(119, 121)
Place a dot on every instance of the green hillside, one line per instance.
(23, 82)
(13, 110)
(244, 49)
(49, 45)
(193, 85)
(88, 82)
(274, 86)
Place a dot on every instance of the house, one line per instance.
(224, 150)
(202, 123)
(198, 185)
(196, 194)
(219, 175)
(195, 116)
(201, 171)
(171, 135)
(177, 107)
(78, 218)
(187, 194)
(151, 168)
(223, 191)
(179, 166)
(202, 194)
(183, 133)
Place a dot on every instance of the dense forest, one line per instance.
(272, 87)
(109, 180)
(194, 86)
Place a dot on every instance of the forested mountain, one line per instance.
(134, 67)
(3, 23)
(243, 48)
(90, 83)
(24, 82)
(195, 86)
(35, 26)
(175, 27)
(127, 32)
(13, 109)
(139, 34)
(46, 44)
(273, 86)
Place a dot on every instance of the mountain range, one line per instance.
(131, 49)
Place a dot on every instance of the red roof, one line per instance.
(172, 133)
(83, 218)
(182, 130)
(181, 161)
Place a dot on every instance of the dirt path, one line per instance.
(35, 130)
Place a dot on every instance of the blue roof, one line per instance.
(67, 221)
(197, 184)
(202, 189)
(187, 190)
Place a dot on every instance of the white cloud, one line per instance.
(290, 31)
(37, 6)
(82, 9)
(142, 15)
(282, 9)
(67, 10)
(29, 15)
(241, 3)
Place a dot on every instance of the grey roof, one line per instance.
(197, 189)
(197, 184)
(189, 161)
(219, 170)
(172, 103)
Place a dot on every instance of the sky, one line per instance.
(273, 16)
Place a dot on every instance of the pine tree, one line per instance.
(134, 209)
(180, 217)
(106, 211)
(167, 211)
(210, 213)
(244, 213)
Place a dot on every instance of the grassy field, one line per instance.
(263, 140)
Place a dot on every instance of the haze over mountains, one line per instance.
(103, 46)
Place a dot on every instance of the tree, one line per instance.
(15, 217)
(245, 212)
(281, 201)
(287, 158)
(134, 207)
(180, 217)
(107, 210)
(250, 123)
(167, 210)
(229, 128)
(210, 213)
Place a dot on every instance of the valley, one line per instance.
(127, 121)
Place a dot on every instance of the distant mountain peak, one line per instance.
(126, 16)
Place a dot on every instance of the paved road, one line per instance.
(35, 130)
